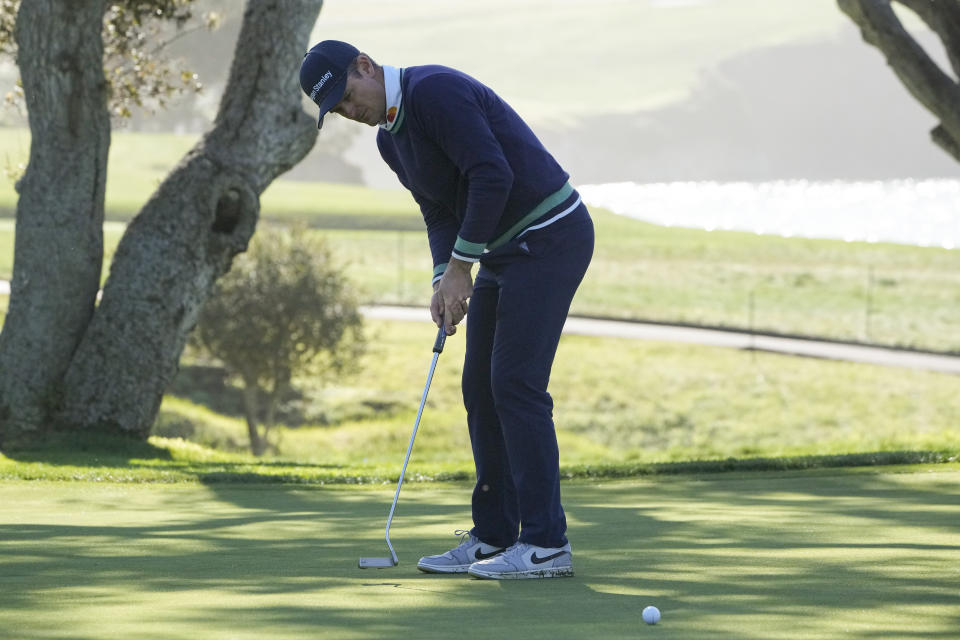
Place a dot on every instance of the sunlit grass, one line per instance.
(620, 401)
(753, 556)
(622, 408)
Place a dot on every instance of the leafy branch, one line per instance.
(136, 33)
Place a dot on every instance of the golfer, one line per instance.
(490, 193)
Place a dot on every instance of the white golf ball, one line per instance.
(651, 615)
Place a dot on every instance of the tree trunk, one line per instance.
(251, 409)
(270, 414)
(187, 234)
(59, 232)
(925, 80)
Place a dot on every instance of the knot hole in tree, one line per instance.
(228, 211)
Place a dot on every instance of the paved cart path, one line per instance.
(710, 337)
(722, 338)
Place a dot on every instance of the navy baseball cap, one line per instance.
(323, 73)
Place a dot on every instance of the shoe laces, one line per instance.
(517, 549)
(465, 537)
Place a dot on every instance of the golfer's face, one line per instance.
(364, 99)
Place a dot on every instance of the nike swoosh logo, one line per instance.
(479, 555)
(535, 559)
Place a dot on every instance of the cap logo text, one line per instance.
(316, 88)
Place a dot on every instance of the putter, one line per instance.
(385, 563)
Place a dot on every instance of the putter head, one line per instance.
(377, 563)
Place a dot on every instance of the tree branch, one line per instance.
(943, 17)
(925, 80)
(943, 140)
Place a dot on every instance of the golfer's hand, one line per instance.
(449, 303)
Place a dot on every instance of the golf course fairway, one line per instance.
(856, 553)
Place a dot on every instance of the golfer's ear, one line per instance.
(365, 65)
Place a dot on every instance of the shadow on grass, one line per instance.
(70, 448)
(100, 450)
(99, 457)
(85, 457)
(757, 556)
(786, 463)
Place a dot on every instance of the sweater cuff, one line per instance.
(468, 251)
(438, 272)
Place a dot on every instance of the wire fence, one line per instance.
(914, 305)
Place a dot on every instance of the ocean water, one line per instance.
(917, 212)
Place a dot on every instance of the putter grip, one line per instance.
(441, 338)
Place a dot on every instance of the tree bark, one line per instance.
(925, 80)
(189, 231)
(59, 232)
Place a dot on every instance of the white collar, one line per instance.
(394, 93)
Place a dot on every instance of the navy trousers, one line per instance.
(521, 297)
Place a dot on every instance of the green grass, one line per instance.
(619, 404)
(169, 461)
(863, 554)
(622, 408)
(803, 286)
(880, 293)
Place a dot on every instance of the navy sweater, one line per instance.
(479, 174)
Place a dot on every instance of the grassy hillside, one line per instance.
(606, 56)
(882, 293)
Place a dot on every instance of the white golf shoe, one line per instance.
(525, 561)
(459, 559)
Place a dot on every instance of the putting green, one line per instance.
(807, 555)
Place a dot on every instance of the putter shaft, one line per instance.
(393, 560)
